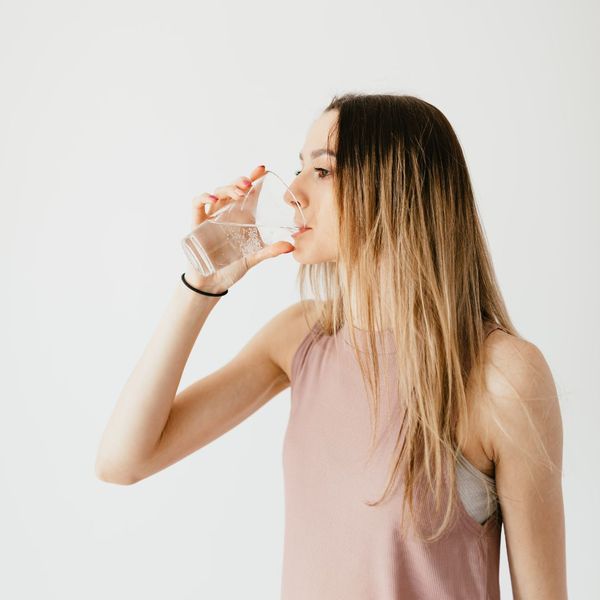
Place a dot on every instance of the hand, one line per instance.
(206, 205)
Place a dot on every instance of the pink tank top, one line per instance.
(337, 547)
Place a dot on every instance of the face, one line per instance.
(313, 189)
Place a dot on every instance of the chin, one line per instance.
(306, 257)
(312, 251)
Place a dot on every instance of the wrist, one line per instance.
(200, 282)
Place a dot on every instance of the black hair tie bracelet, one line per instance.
(200, 291)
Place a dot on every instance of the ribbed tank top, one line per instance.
(335, 545)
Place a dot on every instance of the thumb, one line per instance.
(269, 251)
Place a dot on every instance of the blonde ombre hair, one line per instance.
(408, 224)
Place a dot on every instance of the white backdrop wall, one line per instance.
(113, 115)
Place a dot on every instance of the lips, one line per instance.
(300, 231)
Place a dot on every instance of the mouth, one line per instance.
(301, 231)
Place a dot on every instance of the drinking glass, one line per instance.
(268, 212)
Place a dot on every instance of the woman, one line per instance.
(420, 420)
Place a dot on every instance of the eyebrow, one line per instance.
(318, 152)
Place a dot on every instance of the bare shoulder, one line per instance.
(525, 439)
(521, 402)
(287, 330)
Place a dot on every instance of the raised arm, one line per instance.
(146, 401)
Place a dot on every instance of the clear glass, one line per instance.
(267, 213)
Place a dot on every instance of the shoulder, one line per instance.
(287, 329)
(525, 438)
(521, 407)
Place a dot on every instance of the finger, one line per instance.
(231, 273)
(202, 199)
(269, 251)
(238, 189)
(258, 172)
(200, 204)
(229, 192)
(224, 194)
(244, 182)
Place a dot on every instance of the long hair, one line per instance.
(412, 248)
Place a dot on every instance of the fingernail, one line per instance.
(214, 198)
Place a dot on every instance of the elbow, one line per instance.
(111, 474)
(108, 478)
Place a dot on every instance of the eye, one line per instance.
(322, 173)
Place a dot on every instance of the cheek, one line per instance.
(326, 217)
(330, 228)
(323, 241)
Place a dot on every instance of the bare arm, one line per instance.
(218, 402)
(525, 439)
(145, 402)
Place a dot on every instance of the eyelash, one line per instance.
(320, 177)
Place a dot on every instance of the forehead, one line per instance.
(316, 137)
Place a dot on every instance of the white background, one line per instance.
(113, 115)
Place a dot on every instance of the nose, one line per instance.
(294, 197)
